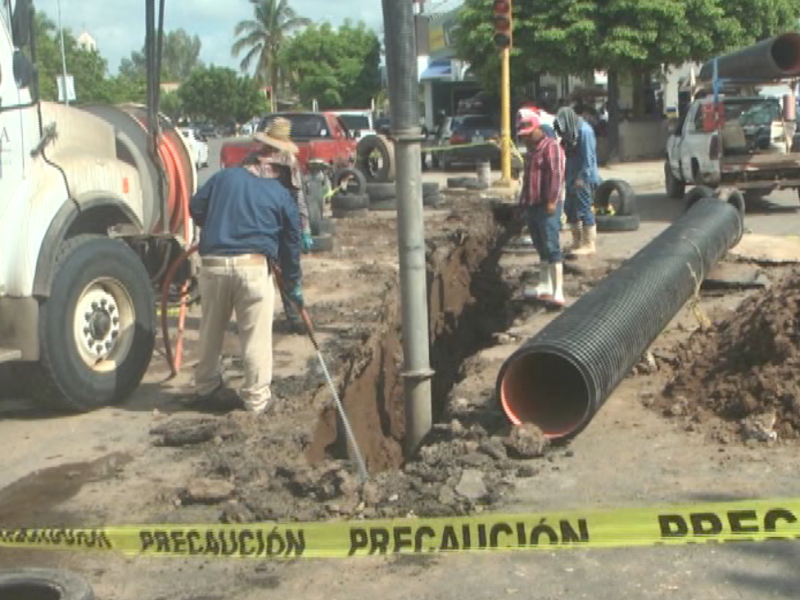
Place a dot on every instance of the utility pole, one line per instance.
(63, 56)
(403, 79)
(503, 39)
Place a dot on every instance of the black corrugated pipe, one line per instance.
(774, 58)
(560, 378)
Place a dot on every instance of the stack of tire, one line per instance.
(615, 206)
(469, 183)
(350, 200)
(322, 228)
(383, 196)
(375, 159)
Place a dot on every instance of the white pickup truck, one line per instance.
(753, 151)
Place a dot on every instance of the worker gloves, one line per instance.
(308, 242)
(296, 295)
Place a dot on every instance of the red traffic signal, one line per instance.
(501, 14)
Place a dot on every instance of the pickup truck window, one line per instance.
(306, 126)
(355, 122)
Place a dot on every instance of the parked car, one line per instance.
(198, 146)
(320, 136)
(481, 133)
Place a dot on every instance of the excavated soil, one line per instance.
(292, 465)
(740, 377)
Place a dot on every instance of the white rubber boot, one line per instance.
(589, 242)
(545, 288)
(557, 276)
(577, 237)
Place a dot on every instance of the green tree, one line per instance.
(219, 94)
(337, 67)
(180, 55)
(263, 36)
(172, 105)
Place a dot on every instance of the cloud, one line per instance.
(118, 27)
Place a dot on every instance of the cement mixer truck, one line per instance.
(93, 211)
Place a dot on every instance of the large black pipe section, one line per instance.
(775, 58)
(401, 69)
(560, 378)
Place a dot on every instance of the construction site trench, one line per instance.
(295, 464)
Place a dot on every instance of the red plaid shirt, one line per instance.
(544, 174)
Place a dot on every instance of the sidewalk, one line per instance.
(641, 174)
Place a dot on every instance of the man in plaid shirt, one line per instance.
(542, 199)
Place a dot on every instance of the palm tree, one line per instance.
(263, 37)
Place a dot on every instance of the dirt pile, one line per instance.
(742, 374)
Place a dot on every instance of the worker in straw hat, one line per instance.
(248, 223)
(284, 166)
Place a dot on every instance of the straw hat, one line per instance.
(278, 135)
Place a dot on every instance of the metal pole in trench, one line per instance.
(401, 67)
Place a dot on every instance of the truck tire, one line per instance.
(89, 356)
(675, 188)
(383, 148)
(44, 583)
(356, 182)
(625, 202)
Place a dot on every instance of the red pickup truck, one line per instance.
(320, 136)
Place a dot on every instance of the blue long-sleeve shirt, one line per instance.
(240, 213)
(582, 160)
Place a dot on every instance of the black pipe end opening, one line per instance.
(785, 52)
(546, 390)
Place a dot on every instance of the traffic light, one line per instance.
(501, 11)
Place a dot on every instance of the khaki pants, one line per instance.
(243, 285)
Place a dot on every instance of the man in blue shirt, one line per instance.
(247, 223)
(582, 178)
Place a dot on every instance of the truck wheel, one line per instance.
(97, 328)
(675, 188)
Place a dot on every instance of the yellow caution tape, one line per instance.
(741, 521)
(171, 312)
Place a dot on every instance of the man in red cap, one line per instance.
(542, 199)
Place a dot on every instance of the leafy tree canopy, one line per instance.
(180, 55)
(219, 94)
(339, 67)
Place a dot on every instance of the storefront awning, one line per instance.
(438, 69)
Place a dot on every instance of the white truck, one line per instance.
(359, 122)
(754, 150)
(90, 219)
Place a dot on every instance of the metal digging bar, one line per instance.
(560, 378)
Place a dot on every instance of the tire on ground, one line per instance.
(340, 213)
(459, 182)
(356, 181)
(474, 184)
(44, 583)
(327, 226)
(322, 243)
(698, 193)
(430, 188)
(675, 188)
(626, 197)
(383, 205)
(381, 191)
(385, 147)
(432, 200)
(315, 198)
(95, 279)
(349, 202)
(616, 223)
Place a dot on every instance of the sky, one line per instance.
(118, 27)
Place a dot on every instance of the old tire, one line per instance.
(624, 205)
(474, 184)
(430, 188)
(384, 205)
(322, 243)
(459, 182)
(697, 193)
(384, 147)
(349, 202)
(432, 200)
(616, 223)
(340, 213)
(91, 358)
(675, 188)
(327, 226)
(356, 183)
(52, 584)
(381, 191)
(315, 198)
